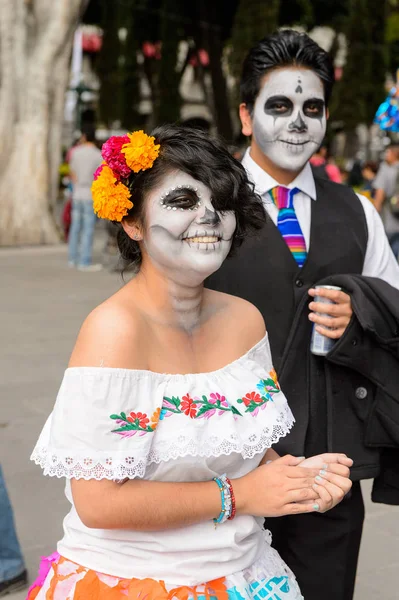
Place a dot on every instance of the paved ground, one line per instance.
(42, 306)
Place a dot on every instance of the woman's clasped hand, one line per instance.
(293, 485)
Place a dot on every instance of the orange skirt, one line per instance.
(62, 579)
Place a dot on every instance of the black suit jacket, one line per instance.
(346, 402)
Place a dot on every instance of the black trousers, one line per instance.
(322, 549)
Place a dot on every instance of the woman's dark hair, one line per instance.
(207, 160)
(285, 48)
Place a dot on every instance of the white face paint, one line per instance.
(183, 232)
(289, 119)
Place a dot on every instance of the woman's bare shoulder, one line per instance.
(239, 315)
(111, 336)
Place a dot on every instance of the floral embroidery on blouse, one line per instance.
(134, 423)
(254, 401)
(196, 407)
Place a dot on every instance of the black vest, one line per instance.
(265, 273)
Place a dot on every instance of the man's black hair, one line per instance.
(285, 48)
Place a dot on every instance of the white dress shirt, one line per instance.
(379, 260)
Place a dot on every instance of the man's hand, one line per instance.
(337, 315)
(322, 461)
(332, 482)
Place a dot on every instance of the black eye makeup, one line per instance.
(278, 106)
(314, 107)
(281, 106)
(181, 197)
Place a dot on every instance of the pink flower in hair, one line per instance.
(98, 171)
(115, 159)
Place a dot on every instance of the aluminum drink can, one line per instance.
(320, 344)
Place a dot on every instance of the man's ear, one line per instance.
(327, 114)
(246, 120)
(132, 229)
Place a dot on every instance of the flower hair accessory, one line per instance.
(123, 155)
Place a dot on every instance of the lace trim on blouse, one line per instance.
(114, 423)
(85, 466)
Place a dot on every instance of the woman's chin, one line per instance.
(206, 270)
(196, 272)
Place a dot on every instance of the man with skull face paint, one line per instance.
(317, 229)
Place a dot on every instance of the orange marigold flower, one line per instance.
(273, 375)
(155, 418)
(110, 196)
(140, 152)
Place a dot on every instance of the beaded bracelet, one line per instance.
(228, 510)
(222, 517)
(233, 500)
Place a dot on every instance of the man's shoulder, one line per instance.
(342, 198)
(339, 190)
(331, 184)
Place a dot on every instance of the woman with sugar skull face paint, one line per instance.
(172, 400)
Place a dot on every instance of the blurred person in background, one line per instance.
(77, 141)
(84, 161)
(353, 168)
(369, 171)
(13, 575)
(386, 194)
(323, 165)
(65, 184)
(344, 175)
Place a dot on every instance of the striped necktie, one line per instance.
(287, 222)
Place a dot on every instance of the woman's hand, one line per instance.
(279, 488)
(332, 482)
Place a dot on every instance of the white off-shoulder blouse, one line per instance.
(110, 423)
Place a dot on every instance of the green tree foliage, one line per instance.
(297, 12)
(359, 92)
(392, 36)
(253, 20)
(240, 24)
(331, 13)
(378, 56)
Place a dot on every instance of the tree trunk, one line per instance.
(57, 108)
(167, 106)
(35, 38)
(108, 67)
(211, 38)
(357, 94)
